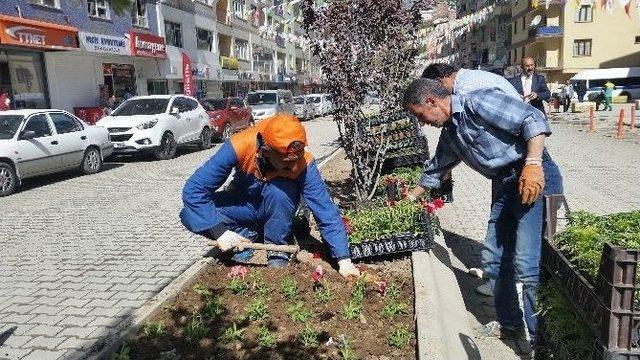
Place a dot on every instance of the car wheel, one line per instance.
(205, 138)
(91, 161)
(167, 148)
(227, 132)
(8, 179)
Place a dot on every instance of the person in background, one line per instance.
(5, 100)
(531, 85)
(608, 94)
(581, 90)
(567, 95)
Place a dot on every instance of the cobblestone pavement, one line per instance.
(601, 174)
(79, 254)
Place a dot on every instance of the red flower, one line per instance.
(389, 180)
(404, 191)
(317, 274)
(347, 225)
(438, 202)
(382, 286)
(316, 255)
(390, 202)
(430, 207)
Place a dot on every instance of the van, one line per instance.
(626, 80)
(265, 103)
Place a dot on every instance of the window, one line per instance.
(637, 39)
(582, 47)
(204, 39)
(39, 125)
(98, 8)
(515, 27)
(157, 87)
(585, 14)
(241, 49)
(65, 124)
(238, 9)
(50, 3)
(139, 13)
(173, 33)
(183, 104)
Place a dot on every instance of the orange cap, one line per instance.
(281, 131)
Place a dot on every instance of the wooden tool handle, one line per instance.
(292, 249)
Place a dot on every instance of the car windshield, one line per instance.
(261, 98)
(298, 100)
(213, 105)
(9, 124)
(141, 107)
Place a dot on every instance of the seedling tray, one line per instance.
(405, 160)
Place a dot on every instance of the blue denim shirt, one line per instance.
(472, 80)
(488, 131)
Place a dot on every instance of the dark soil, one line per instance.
(367, 335)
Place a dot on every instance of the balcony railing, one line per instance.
(546, 32)
(230, 63)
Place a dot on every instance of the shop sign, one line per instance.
(202, 71)
(37, 34)
(187, 75)
(104, 43)
(147, 45)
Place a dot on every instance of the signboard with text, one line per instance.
(104, 43)
(147, 45)
(187, 75)
(37, 34)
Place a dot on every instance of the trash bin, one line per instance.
(90, 114)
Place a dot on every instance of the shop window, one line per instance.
(49, 3)
(582, 47)
(139, 13)
(585, 14)
(173, 33)
(65, 124)
(98, 8)
(204, 39)
(157, 87)
(39, 125)
(241, 49)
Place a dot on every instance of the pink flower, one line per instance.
(430, 207)
(382, 286)
(389, 180)
(404, 191)
(317, 274)
(438, 202)
(238, 271)
(316, 255)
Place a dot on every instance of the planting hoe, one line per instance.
(290, 249)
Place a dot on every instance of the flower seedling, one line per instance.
(265, 338)
(154, 329)
(259, 285)
(317, 274)
(123, 354)
(232, 334)
(238, 286)
(352, 310)
(345, 350)
(195, 329)
(359, 291)
(399, 337)
(322, 293)
(392, 291)
(381, 286)
(308, 337)
(257, 310)
(298, 312)
(238, 271)
(394, 308)
(202, 290)
(289, 288)
(212, 308)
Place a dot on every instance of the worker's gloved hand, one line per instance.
(229, 240)
(347, 269)
(531, 183)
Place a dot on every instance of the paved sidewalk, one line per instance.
(79, 254)
(601, 174)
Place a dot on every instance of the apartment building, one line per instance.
(567, 38)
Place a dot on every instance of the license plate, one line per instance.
(118, 145)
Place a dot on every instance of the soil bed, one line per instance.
(367, 335)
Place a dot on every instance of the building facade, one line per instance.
(567, 38)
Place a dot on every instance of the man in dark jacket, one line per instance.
(531, 85)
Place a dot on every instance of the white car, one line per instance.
(39, 142)
(266, 103)
(158, 124)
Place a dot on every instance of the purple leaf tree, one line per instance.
(364, 46)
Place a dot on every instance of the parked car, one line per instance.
(303, 108)
(319, 107)
(158, 124)
(39, 142)
(265, 103)
(226, 116)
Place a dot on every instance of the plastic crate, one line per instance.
(396, 243)
(405, 160)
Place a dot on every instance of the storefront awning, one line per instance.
(37, 34)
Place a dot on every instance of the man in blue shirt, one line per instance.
(502, 138)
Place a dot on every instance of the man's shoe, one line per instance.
(243, 257)
(485, 289)
(494, 330)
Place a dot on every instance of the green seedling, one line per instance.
(259, 285)
(289, 288)
(265, 338)
(232, 334)
(257, 310)
(238, 286)
(357, 295)
(298, 312)
(394, 308)
(212, 308)
(352, 310)
(154, 329)
(167, 306)
(195, 329)
(123, 354)
(323, 294)
(399, 337)
(392, 291)
(202, 290)
(346, 352)
(308, 337)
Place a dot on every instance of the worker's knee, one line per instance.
(282, 195)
